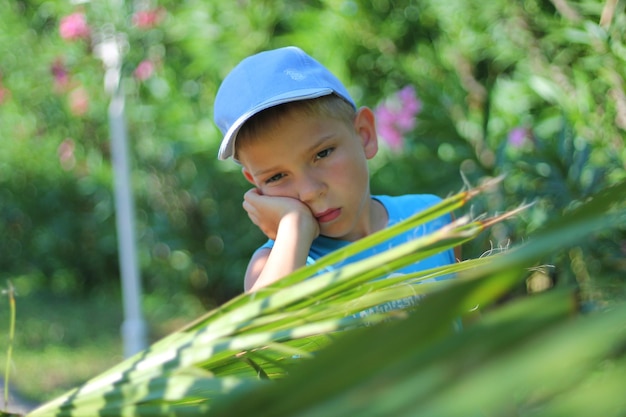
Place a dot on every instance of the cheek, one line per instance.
(352, 164)
(349, 172)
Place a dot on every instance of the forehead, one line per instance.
(255, 128)
(292, 136)
(298, 121)
(268, 119)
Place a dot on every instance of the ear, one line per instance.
(365, 127)
(247, 175)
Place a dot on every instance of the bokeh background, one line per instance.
(464, 90)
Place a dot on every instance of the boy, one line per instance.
(303, 144)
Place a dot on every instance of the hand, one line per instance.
(267, 212)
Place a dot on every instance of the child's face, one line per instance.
(321, 162)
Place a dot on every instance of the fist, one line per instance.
(267, 212)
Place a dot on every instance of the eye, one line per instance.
(325, 153)
(274, 178)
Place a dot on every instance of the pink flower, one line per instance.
(74, 26)
(409, 100)
(60, 74)
(385, 119)
(396, 116)
(144, 70)
(4, 94)
(66, 155)
(518, 136)
(79, 101)
(147, 19)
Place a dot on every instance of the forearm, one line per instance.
(290, 251)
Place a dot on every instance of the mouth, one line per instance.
(328, 215)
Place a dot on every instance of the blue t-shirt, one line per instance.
(398, 208)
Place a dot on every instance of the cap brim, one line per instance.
(227, 148)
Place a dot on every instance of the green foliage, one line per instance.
(533, 343)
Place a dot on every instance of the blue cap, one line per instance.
(265, 80)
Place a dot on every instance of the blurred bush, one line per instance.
(529, 90)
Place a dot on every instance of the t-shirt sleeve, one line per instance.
(269, 245)
(405, 206)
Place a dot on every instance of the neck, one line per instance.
(378, 216)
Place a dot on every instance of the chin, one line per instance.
(334, 234)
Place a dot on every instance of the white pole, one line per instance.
(133, 328)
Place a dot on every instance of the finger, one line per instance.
(250, 209)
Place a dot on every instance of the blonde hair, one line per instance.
(331, 106)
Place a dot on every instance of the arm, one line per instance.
(291, 225)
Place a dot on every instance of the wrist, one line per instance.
(302, 224)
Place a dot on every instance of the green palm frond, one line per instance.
(223, 363)
(516, 360)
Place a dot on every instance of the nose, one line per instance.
(310, 187)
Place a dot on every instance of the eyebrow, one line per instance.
(263, 172)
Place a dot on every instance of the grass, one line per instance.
(62, 341)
